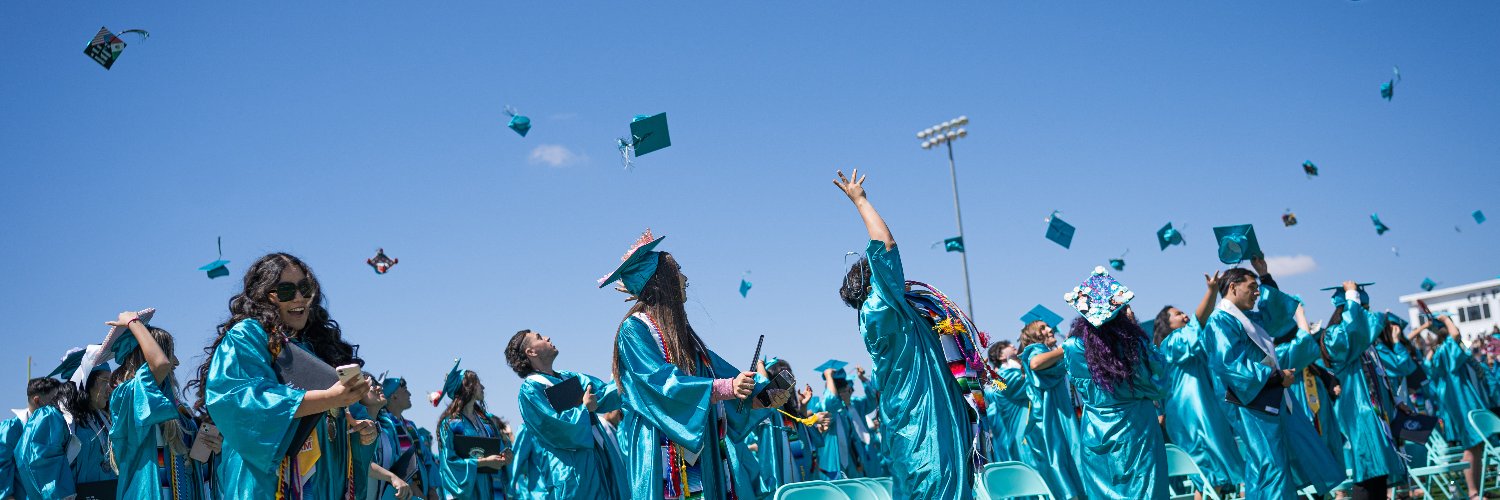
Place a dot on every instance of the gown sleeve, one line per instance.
(10, 435)
(1241, 368)
(1303, 350)
(1348, 340)
(1398, 363)
(136, 408)
(253, 410)
(460, 475)
(42, 458)
(1278, 311)
(570, 430)
(674, 402)
(884, 312)
(741, 418)
(1184, 345)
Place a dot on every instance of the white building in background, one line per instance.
(1475, 306)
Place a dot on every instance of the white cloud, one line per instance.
(1290, 265)
(555, 156)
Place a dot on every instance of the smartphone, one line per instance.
(348, 372)
(200, 451)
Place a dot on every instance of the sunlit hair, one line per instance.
(79, 402)
(661, 298)
(515, 354)
(1233, 276)
(171, 431)
(1034, 332)
(468, 392)
(1113, 350)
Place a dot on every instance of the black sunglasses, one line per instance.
(286, 290)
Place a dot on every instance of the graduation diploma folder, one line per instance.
(477, 447)
(301, 369)
(1267, 401)
(565, 395)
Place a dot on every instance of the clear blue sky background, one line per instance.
(328, 130)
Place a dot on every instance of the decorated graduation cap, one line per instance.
(1288, 219)
(1478, 217)
(380, 262)
(1338, 298)
(1428, 284)
(218, 267)
(1380, 227)
(839, 373)
(1388, 89)
(1100, 297)
(106, 47)
(120, 342)
(1058, 231)
(1310, 169)
(518, 122)
(647, 134)
(1237, 243)
(451, 383)
(1043, 314)
(637, 265)
(1168, 236)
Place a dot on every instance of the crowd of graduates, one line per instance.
(1265, 402)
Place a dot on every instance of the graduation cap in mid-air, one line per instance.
(106, 47)
(954, 244)
(1388, 89)
(380, 262)
(744, 285)
(1237, 243)
(1058, 231)
(1309, 169)
(518, 122)
(1288, 219)
(1168, 236)
(1380, 227)
(1478, 217)
(1118, 263)
(1428, 284)
(218, 267)
(647, 134)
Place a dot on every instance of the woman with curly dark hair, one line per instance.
(281, 307)
(1119, 378)
(562, 454)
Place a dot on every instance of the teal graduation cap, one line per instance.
(837, 366)
(744, 287)
(637, 265)
(68, 364)
(518, 122)
(1058, 231)
(1043, 314)
(954, 244)
(1428, 284)
(1388, 89)
(1237, 243)
(1380, 227)
(451, 383)
(647, 134)
(389, 385)
(1395, 319)
(1168, 236)
(218, 267)
(1479, 217)
(1310, 169)
(120, 342)
(1338, 298)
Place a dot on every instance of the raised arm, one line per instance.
(160, 363)
(1206, 306)
(853, 187)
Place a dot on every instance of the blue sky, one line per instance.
(328, 130)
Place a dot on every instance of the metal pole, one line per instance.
(964, 255)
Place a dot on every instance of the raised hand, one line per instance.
(1259, 264)
(1212, 281)
(852, 186)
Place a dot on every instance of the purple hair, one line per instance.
(1112, 350)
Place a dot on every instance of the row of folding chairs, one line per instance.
(840, 489)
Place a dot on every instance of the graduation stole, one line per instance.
(675, 483)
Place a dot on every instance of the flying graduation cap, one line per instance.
(1309, 169)
(106, 47)
(1478, 217)
(954, 244)
(1288, 219)
(1380, 227)
(744, 285)
(217, 268)
(380, 262)
(1237, 243)
(1428, 284)
(1388, 89)
(1168, 236)
(1058, 231)
(518, 122)
(647, 134)
(1118, 263)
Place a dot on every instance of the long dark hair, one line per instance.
(856, 286)
(80, 405)
(661, 299)
(254, 302)
(468, 391)
(1162, 327)
(1113, 350)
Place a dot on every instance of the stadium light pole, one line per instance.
(944, 134)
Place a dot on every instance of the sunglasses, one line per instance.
(286, 290)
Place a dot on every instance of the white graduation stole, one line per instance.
(1260, 338)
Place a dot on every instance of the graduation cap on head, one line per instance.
(1428, 284)
(68, 364)
(1168, 236)
(389, 385)
(1309, 169)
(1100, 297)
(1058, 231)
(518, 122)
(1394, 319)
(120, 342)
(1237, 243)
(839, 373)
(1380, 227)
(1478, 217)
(1338, 298)
(637, 265)
(1041, 313)
(217, 268)
(451, 384)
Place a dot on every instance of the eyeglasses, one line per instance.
(286, 290)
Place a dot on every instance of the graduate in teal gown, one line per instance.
(927, 424)
(1311, 390)
(1006, 403)
(1119, 378)
(1399, 358)
(10, 436)
(866, 408)
(41, 450)
(1195, 421)
(843, 449)
(1364, 408)
(562, 454)
(148, 433)
(89, 407)
(280, 307)
(785, 445)
(468, 475)
(401, 437)
(1283, 451)
(1454, 395)
(682, 402)
(1051, 428)
(367, 474)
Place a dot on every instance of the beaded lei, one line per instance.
(676, 483)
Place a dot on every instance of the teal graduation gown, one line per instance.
(42, 457)
(1051, 444)
(1123, 453)
(362, 454)
(841, 450)
(253, 411)
(785, 449)
(567, 454)
(1398, 364)
(1005, 413)
(92, 462)
(1363, 408)
(461, 477)
(1195, 419)
(1282, 451)
(1300, 353)
(137, 408)
(925, 420)
(662, 402)
(10, 480)
(1454, 392)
